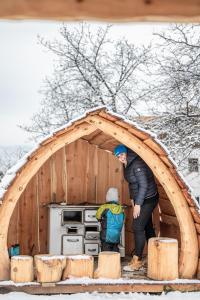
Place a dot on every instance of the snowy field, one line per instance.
(100, 296)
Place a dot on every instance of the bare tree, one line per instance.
(179, 133)
(174, 89)
(9, 156)
(175, 71)
(91, 70)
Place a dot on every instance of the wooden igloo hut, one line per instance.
(76, 165)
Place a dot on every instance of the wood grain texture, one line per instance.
(171, 231)
(79, 162)
(44, 194)
(82, 267)
(22, 268)
(162, 259)
(102, 175)
(109, 265)
(127, 10)
(166, 207)
(152, 287)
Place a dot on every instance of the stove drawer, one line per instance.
(72, 244)
(90, 215)
(92, 235)
(92, 249)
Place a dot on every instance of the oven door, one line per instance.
(91, 249)
(90, 215)
(72, 244)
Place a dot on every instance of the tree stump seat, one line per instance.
(49, 268)
(162, 258)
(109, 265)
(79, 266)
(21, 268)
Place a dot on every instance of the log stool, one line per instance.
(162, 258)
(109, 265)
(49, 267)
(79, 266)
(21, 268)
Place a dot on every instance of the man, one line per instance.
(144, 198)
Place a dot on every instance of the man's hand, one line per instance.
(136, 211)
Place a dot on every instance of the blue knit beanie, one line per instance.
(120, 149)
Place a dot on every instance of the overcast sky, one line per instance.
(24, 63)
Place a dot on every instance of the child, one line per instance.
(111, 217)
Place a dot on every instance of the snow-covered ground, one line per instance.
(100, 296)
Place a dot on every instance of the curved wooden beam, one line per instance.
(189, 244)
(18, 186)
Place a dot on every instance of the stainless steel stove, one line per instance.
(75, 230)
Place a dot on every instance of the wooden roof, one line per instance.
(106, 129)
(108, 143)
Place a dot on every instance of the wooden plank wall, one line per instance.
(168, 221)
(79, 173)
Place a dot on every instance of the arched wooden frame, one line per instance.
(189, 244)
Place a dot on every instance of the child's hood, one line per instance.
(115, 208)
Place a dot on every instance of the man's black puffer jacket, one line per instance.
(140, 178)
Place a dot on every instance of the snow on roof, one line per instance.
(11, 173)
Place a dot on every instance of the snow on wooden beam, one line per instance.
(155, 147)
(140, 134)
(188, 197)
(177, 177)
(143, 10)
(166, 160)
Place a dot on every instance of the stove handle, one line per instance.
(91, 237)
(73, 241)
(92, 250)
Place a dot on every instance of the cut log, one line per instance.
(79, 266)
(162, 258)
(108, 265)
(21, 268)
(49, 268)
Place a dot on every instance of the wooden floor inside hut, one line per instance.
(140, 274)
(136, 281)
